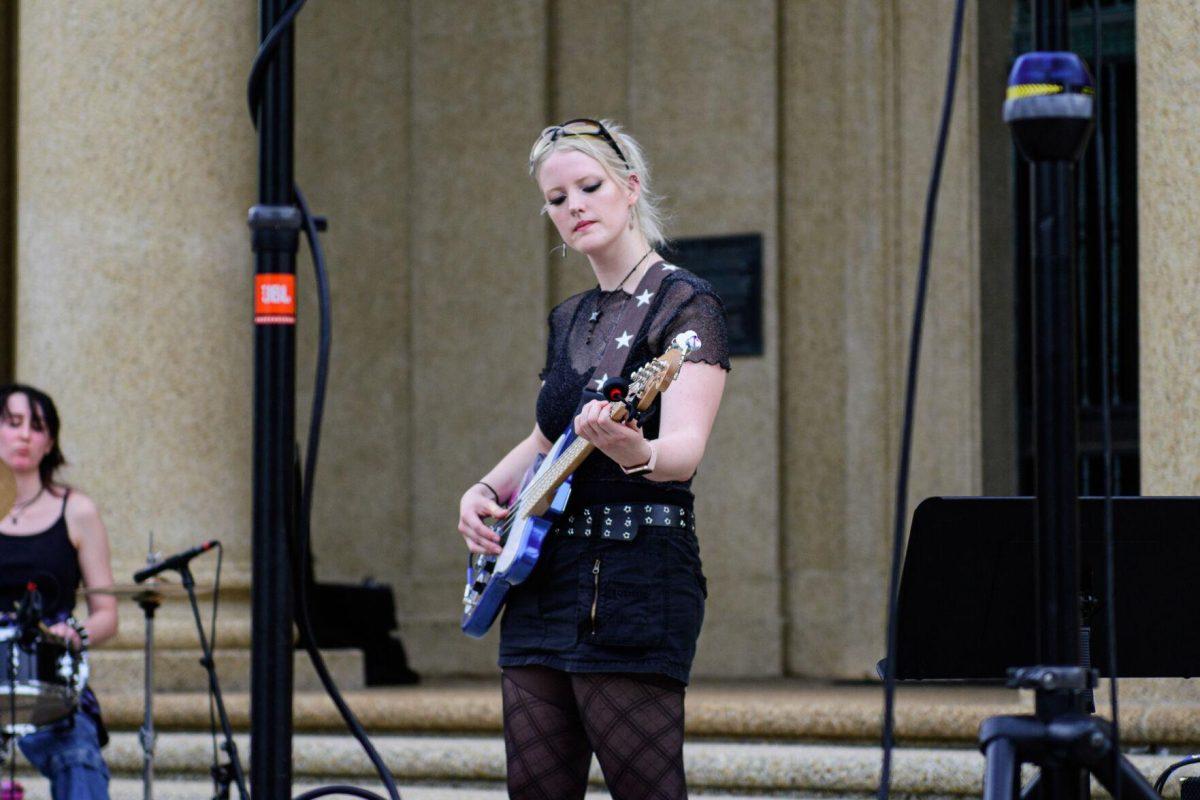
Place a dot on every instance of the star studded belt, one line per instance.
(622, 520)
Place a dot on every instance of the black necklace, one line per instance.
(598, 312)
(19, 508)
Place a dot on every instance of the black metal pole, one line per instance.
(1057, 436)
(276, 239)
(1057, 441)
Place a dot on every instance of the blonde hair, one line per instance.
(647, 214)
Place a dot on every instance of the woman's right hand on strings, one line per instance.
(476, 505)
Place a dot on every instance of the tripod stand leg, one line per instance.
(1001, 778)
(1065, 781)
(1134, 785)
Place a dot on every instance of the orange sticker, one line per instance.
(275, 299)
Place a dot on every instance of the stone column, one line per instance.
(136, 163)
(352, 162)
(8, 133)
(476, 283)
(863, 83)
(1168, 279)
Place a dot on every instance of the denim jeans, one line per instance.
(68, 753)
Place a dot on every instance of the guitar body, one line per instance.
(543, 495)
(490, 577)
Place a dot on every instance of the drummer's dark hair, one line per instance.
(45, 412)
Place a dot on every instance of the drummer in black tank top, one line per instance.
(53, 536)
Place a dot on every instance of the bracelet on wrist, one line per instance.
(80, 631)
(488, 486)
(642, 469)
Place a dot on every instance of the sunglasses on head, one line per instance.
(584, 127)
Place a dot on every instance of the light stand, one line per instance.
(275, 225)
(1049, 107)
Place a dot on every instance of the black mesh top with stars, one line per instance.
(580, 326)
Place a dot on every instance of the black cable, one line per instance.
(1161, 783)
(266, 50)
(910, 393)
(1110, 611)
(353, 791)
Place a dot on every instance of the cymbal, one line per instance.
(140, 591)
(8, 488)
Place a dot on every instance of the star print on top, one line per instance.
(683, 302)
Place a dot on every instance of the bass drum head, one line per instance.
(27, 707)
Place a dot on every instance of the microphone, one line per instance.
(177, 561)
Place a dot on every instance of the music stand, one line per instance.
(968, 605)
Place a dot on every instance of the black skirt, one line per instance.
(598, 604)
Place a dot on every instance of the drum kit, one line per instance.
(43, 676)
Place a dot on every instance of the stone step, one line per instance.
(747, 767)
(779, 710)
(175, 628)
(174, 788)
(179, 670)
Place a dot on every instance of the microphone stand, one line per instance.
(214, 688)
(149, 604)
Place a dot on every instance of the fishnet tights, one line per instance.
(554, 721)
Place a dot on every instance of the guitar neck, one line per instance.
(541, 493)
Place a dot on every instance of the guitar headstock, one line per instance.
(653, 377)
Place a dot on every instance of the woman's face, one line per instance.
(588, 206)
(24, 440)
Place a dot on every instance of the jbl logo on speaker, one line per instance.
(275, 299)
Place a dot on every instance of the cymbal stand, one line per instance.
(214, 688)
(146, 736)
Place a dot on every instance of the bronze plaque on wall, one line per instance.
(733, 265)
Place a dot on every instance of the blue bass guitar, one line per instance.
(543, 496)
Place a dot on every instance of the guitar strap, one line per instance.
(629, 322)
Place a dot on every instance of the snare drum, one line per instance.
(39, 685)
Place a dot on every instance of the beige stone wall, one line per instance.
(135, 168)
(1168, 241)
